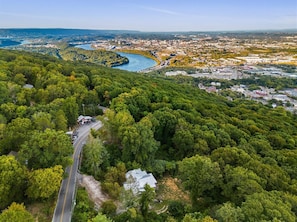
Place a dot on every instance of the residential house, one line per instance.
(137, 179)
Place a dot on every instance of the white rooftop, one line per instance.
(137, 179)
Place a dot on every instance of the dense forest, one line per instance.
(236, 160)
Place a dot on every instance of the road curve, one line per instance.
(65, 201)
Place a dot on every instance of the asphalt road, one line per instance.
(65, 202)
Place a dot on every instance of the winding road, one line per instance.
(66, 198)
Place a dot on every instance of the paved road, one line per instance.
(64, 207)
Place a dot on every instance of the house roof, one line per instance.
(83, 118)
(137, 179)
(28, 86)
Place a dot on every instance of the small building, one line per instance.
(137, 179)
(28, 86)
(84, 119)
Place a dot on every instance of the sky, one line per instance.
(150, 15)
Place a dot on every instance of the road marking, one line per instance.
(79, 142)
(69, 176)
(61, 219)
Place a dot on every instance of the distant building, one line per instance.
(28, 86)
(84, 119)
(137, 179)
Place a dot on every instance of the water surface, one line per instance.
(136, 62)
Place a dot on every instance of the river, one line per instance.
(6, 42)
(136, 62)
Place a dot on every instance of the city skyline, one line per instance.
(188, 15)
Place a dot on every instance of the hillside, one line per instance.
(237, 159)
(70, 53)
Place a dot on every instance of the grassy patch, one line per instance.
(42, 211)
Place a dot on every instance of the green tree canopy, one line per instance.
(15, 134)
(42, 121)
(16, 213)
(95, 157)
(199, 174)
(70, 109)
(100, 218)
(146, 197)
(12, 180)
(113, 124)
(46, 149)
(139, 144)
(229, 213)
(241, 182)
(267, 206)
(44, 183)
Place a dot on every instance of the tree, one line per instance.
(46, 149)
(276, 178)
(42, 121)
(109, 208)
(166, 125)
(70, 109)
(3, 89)
(44, 183)
(60, 120)
(15, 134)
(229, 213)
(136, 101)
(176, 209)
(20, 79)
(112, 125)
(21, 111)
(112, 188)
(2, 128)
(130, 215)
(199, 174)
(232, 156)
(100, 218)
(267, 206)
(116, 174)
(95, 157)
(8, 110)
(197, 217)
(84, 207)
(146, 197)
(138, 143)
(16, 213)
(12, 180)
(241, 182)
(183, 141)
(128, 199)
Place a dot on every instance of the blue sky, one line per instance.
(150, 15)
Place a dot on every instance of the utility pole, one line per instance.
(83, 105)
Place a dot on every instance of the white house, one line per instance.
(84, 119)
(137, 179)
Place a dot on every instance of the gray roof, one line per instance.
(137, 179)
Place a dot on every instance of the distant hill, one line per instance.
(55, 32)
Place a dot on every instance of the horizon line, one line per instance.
(133, 30)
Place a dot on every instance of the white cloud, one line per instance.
(163, 11)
